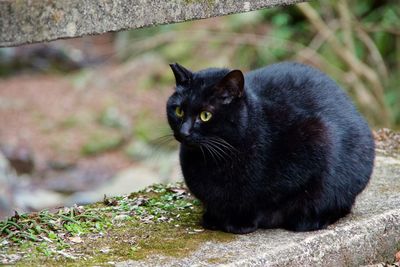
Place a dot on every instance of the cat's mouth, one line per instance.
(187, 142)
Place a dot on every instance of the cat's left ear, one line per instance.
(231, 86)
(182, 75)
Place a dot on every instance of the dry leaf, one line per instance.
(398, 256)
(75, 239)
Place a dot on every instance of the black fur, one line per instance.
(285, 147)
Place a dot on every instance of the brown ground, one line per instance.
(54, 115)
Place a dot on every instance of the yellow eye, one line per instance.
(205, 116)
(179, 112)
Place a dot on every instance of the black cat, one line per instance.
(281, 146)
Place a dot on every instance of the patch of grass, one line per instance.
(113, 118)
(69, 122)
(158, 220)
(101, 142)
(46, 233)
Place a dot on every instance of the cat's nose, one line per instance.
(186, 129)
(184, 133)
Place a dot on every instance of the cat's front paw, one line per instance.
(240, 229)
(209, 222)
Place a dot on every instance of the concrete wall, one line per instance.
(28, 21)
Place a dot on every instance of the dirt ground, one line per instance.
(52, 117)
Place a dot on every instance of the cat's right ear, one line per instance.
(231, 86)
(182, 75)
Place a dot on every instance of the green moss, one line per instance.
(216, 260)
(159, 220)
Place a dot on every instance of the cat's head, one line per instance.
(206, 105)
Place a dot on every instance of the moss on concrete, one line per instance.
(159, 220)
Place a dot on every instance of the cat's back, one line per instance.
(292, 94)
(299, 87)
(291, 79)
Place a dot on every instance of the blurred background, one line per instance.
(82, 118)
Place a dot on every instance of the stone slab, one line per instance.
(369, 235)
(29, 21)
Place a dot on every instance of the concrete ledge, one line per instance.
(369, 235)
(28, 21)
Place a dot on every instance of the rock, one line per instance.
(7, 180)
(41, 57)
(76, 178)
(20, 157)
(164, 169)
(37, 199)
(17, 194)
(127, 181)
(61, 165)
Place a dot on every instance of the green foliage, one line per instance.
(137, 225)
(49, 230)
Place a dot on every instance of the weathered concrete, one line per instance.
(28, 21)
(370, 234)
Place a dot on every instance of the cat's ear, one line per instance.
(182, 75)
(231, 86)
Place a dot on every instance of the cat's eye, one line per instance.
(205, 116)
(179, 112)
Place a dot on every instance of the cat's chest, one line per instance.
(214, 181)
(208, 171)
(208, 168)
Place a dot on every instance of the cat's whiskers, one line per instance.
(163, 140)
(228, 149)
(204, 156)
(222, 146)
(221, 151)
(167, 136)
(160, 142)
(217, 151)
(225, 143)
(210, 151)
